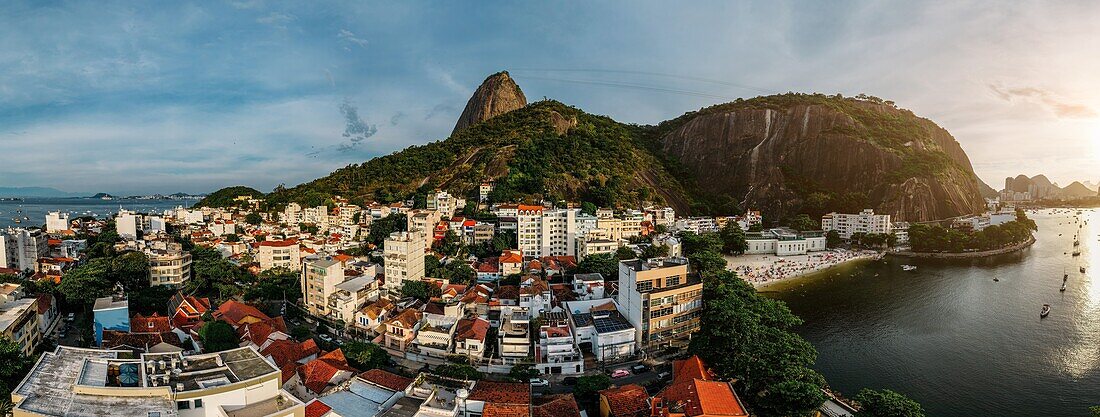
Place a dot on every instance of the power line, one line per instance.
(636, 86)
(657, 74)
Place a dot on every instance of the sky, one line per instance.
(163, 97)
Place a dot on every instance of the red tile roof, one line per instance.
(627, 401)
(44, 303)
(471, 328)
(703, 398)
(510, 257)
(561, 405)
(690, 368)
(317, 373)
(501, 392)
(386, 379)
(316, 408)
(505, 410)
(152, 324)
(234, 312)
(279, 243)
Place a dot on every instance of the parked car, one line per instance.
(569, 380)
(539, 382)
(663, 375)
(326, 338)
(619, 373)
(70, 317)
(639, 368)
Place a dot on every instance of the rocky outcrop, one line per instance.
(497, 95)
(774, 157)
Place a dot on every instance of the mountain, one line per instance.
(497, 95)
(784, 154)
(1076, 190)
(37, 192)
(986, 190)
(227, 196)
(795, 153)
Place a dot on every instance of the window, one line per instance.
(183, 405)
(672, 281)
(645, 285)
(198, 403)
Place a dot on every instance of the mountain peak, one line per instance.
(497, 95)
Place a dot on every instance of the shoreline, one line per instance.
(762, 271)
(965, 255)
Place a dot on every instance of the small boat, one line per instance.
(908, 267)
(1063, 289)
(1076, 253)
(995, 279)
(1082, 269)
(1045, 311)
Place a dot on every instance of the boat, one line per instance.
(908, 267)
(995, 279)
(1076, 253)
(1082, 269)
(1045, 311)
(1063, 289)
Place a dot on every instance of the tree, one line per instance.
(1095, 410)
(131, 269)
(832, 238)
(365, 355)
(624, 253)
(275, 284)
(459, 371)
(419, 290)
(733, 239)
(588, 388)
(603, 264)
(13, 366)
(588, 208)
(451, 244)
(524, 372)
(253, 218)
(85, 283)
(218, 336)
(655, 251)
(802, 223)
(302, 333)
(382, 228)
(886, 403)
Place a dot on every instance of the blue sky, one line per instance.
(138, 98)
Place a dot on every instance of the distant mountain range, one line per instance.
(48, 192)
(1041, 187)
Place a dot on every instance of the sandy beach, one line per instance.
(761, 270)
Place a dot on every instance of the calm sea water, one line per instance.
(950, 337)
(35, 209)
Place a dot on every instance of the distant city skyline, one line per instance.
(141, 99)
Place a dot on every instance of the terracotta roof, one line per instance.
(689, 369)
(113, 339)
(407, 319)
(376, 309)
(471, 328)
(525, 207)
(316, 408)
(152, 324)
(510, 257)
(44, 303)
(385, 379)
(234, 311)
(627, 401)
(507, 292)
(279, 243)
(703, 398)
(317, 373)
(561, 405)
(505, 410)
(501, 392)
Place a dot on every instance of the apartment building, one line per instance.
(864, 222)
(56, 222)
(559, 232)
(19, 319)
(662, 299)
(784, 242)
(20, 248)
(170, 267)
(279, 254)
(319, 279)
(404, 258)
(127, 224)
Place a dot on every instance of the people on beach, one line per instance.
(781, 268)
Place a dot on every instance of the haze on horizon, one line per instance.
(191, 97)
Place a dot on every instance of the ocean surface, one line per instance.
(950, 337)
(35, 209)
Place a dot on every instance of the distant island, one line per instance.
(48, 192)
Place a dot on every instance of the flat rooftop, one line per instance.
(11, 310)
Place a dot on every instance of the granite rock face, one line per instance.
(497, 95)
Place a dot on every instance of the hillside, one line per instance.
(812, 153)
(226, 197)
(784, 154)
(497, 95)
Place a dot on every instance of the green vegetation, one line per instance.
(227, 197)
(733, 239)
(365, 356)
(523, 372)
(936, 238)
(382, 228)
(455, 270)
(587, 390)
(459, 371)
(603, 264)
(13, 366)
(886, 403)
(419, 290)
(218, 336)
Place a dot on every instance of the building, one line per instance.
(90, 382)
(21, 248)
(513, 337)
(172, 267)
(630, 400)
(20, 321)
(404, 259)
(469, 338)
(866, 222)
(400, 331)
(279, 254)
(558, 234)
(694, 392)
(784, 242)
(110, 313)
(127, 224)
(662, 299)
(319, 279)
(483, 191)
(435, 336)
(350, 296)
(56, 222)
(599, 327)
(556, 351)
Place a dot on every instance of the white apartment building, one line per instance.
(529, 229)
(558, 232)
(319, 279)
(784, 242)
(661, 216)
(404, 258)
(600, 327)
(127, 224)
(279, 254)
(90, 382)
(56, 222)
(19, 320)
(171, 267)
(423, 223)
(21, 248)
(443, 203)
(292, 214)
(864, 222)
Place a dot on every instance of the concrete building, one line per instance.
(279, 254)
(21, 248)
(865, 222)
(404, 258)
(662, 299)
(127, 224)
(90, 382)
(110, 313)
(171, 267)
(56, 222)
(600, 328)
(19, 319)
(784, 242)
(319, 279)
(558, 234)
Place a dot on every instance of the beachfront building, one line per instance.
(866, 222)
(404, 258)
(279, 254)
(90, 382)
(784, 242)
(662, 299)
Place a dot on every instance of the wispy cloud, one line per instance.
(1057, 104)
(356, 130)
(350, 37)
(277, 19)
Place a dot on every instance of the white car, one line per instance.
(539, 382)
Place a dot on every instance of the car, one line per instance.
(639, 368)
(619, 373)
(539, 382)
(663, 375)
(70, 317)
(326, 338)
(569, 380)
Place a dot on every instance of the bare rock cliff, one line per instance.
(497, 95)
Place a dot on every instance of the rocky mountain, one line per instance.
(227, 197)
(1041, 187)
(811, 153)
(497, 95)
(784, 154)
(1075, 190)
